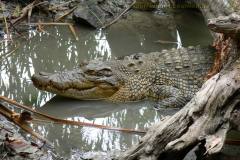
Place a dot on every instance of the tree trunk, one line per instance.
(206, 119)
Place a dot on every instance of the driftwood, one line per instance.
(204, 122)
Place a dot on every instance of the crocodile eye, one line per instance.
(105, 72)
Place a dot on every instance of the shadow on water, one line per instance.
(55, 49)
(137, 115)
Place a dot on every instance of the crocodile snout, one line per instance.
(40, 79)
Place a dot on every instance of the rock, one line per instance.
(101, 12)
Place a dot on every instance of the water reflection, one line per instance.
(139, 115)
(48, 51)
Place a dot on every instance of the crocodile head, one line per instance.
(93, 80)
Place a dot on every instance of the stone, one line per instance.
(99, 13)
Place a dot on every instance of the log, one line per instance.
(204, 122)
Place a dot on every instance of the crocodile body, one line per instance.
(170, 77)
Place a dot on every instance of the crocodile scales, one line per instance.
(171, 77)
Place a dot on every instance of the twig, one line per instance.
(73, 31)
(25, 11)
(120, 15)
(29, 14)
(69, 122)
(64, 15)
(9, 115)
(96, 16)
(49, 24)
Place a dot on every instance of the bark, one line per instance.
(206, 119)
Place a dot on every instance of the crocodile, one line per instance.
(170, 77)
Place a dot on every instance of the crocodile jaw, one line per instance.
(75, 84)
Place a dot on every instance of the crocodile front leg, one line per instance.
(168, 96)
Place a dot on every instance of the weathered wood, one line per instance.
(206, 119)
(228, 25)
(203, 119)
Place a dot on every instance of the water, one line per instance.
(56, 49)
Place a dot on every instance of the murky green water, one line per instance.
(56, 49)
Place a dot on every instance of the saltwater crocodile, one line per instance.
(171, 77)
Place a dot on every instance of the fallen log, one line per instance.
(206, 119)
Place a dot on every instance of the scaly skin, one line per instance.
(171, 77)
